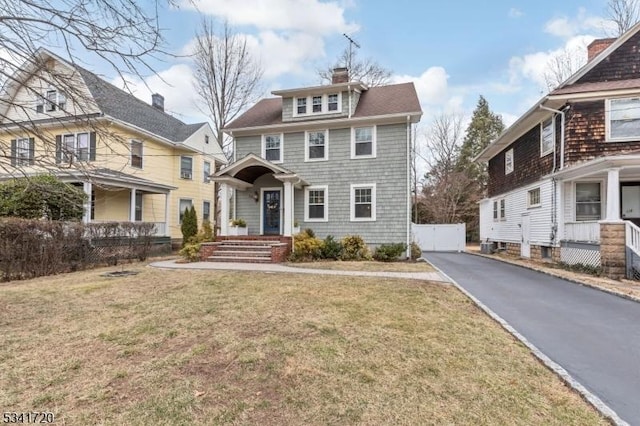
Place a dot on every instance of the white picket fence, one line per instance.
(433, 237)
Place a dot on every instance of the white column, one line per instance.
(224, 209)
(87, 187)
(560, 203)
(132, 206)
(167, 215)
(613, 195)
(288, 209)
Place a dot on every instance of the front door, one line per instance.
(525, 247)
(271, 212)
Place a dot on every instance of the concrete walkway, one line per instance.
(273, 267)
(593, 335)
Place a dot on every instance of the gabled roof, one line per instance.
(112, 101)
(393, 99)
(556, 98)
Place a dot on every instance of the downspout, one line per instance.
(554, 201)
(408, 187)
(349, 92)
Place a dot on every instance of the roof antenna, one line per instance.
(352, 43)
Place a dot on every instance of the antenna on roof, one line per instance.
(352, 43)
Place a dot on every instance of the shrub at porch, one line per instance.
(306, 247)
(189, 226)
(389, 252)
(416, 251)
(41, 197)
(354, 248)
(331, 249)
(190, 251)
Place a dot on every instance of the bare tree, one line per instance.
(227, 77)
(624, 14)
(367, 70)
(563, 65)
(122, 34)
(446, 189)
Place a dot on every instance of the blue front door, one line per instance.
(271, 212)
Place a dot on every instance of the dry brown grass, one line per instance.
(177, 347)
(366, 266)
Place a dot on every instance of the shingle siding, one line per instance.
(622, 64)
(388, 171)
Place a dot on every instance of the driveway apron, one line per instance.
(593, 335)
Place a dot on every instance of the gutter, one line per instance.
(408, 187)
(562, 123)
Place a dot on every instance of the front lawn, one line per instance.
(174, 347)
(372, 266)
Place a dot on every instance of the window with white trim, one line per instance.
(206, 210)
(183, 206)
(363, 202)
(316, 145)
(547, 137)
(51, 100)
(272, 148)
(186, 167)
(316, 104)
(136, 154)
(533, 197)
(301, 106)
(588, 201)
(75, 147)
(315, 204)
(503, 209)
(508, 162)
(495, 211)
(206, 168)
(363, 142)
(23, 154)
(332, 103)
(623, 119)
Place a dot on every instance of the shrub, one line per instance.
(40, 197)
(309, 232)
(354, 248)
(306, 247)
(240, 223)
(190, 252)
(389, 252)
(189, 226)
(416, 251)
(331, 249)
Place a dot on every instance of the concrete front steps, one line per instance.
(246, 249)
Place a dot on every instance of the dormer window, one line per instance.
(332, 102)
(319, 104)
(302, 105)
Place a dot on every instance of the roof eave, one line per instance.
(320, 89)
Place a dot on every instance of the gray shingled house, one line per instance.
(333, 158)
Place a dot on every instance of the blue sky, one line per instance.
(454, 51)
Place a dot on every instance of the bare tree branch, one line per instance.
(366, 71)
(227, 77)
(562, 66)
(624, 14)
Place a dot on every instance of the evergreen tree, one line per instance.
(485, 126)
(189, 225)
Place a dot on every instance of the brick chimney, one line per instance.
(598, 46)
(340, 75)
(157, 101)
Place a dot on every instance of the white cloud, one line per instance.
(515, 13)
(310, 16)
(431, 85)
(175, 84)
(566, 27)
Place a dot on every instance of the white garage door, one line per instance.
(439, 237)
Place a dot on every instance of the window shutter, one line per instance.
(58, 148)
(32, 151)
(13, 152)
(92, 146)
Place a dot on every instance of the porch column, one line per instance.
(288, 209)
(224, 209)
(87, 187)
(613, 195)
(167, 215)
(132, 206)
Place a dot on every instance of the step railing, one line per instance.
(632, 233)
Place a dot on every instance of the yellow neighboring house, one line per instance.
(135, 161)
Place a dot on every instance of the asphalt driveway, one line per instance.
(593, 335)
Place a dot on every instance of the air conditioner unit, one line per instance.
(185, 175)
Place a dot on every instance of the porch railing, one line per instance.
(632, 233)
(585, 231)
(160, 227)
